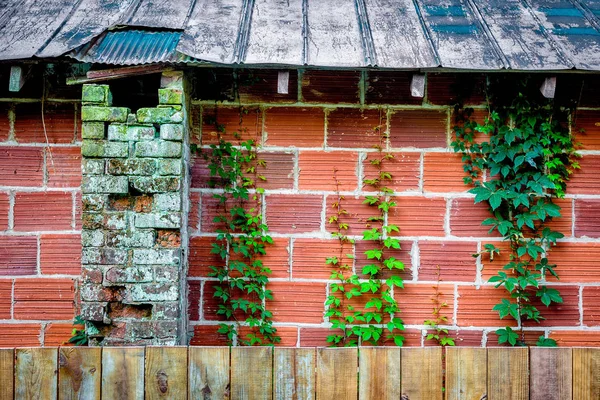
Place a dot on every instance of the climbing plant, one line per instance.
(518, 160)
(361, 307)
(241, 240)
(438, 333)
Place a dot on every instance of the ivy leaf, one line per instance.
(395, 281)
(481, 193)
(548, 295)
(374, 253)
(370, 269)
(507, 335)
(546, 342)
(506, 308)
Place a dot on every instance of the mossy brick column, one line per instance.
(132, 217)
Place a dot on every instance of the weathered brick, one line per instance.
(320, 170)
(194, 212)
(160, 256)
(443, 172)
(171, 131)
(93, 130)
(92, 166)
(21, 166)
(158, 148)
(92, 274)
(131, 167)
(404, 168)
(355, 128)
(166, 310)
(170, 96)
(169, 167)
(99, 293)
(168, 220)
(115, 220)
(138, 238)
(294, 127)
(465, 338)
(60, 254)
(167, 202)
(129, 274)
(160, 115)
(587, 218)
(418, 128)
(104, 114)
(294, 213)
(166, 274)
(64, 168)
(99, 94)
(92, 238)
(103, 255)
(44, 299)
(93, 202)
(124, 133)
(155, 184)
(44, 211)
(152, 292)
(453, 260)
(95, 312)
(419, 216)
(100, 148)
(105, 184)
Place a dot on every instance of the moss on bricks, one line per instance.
(96, 94)
(159, 115)
(104, 184)
(100, 148)
(105, 114)
(170, 96)
(92, 130)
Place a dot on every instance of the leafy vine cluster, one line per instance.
(518, 160)
(241, 240)
(361, 306)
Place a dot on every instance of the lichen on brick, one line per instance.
(131, 167)
(166, 220)
(101, 148)
(155, 184)
(92, 130)
(124, 133)
(104, 114)
(159, 115)
(158, 149)
(170, 96)
(171, 131)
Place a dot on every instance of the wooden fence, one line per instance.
(299, 373)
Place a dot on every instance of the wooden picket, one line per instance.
(299, 373)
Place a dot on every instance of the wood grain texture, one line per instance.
(508, 372)
(337, 377)
(36, 373)
(79, 373)
(251, 369)
(422, 373)
(379, 373)
(208, 370)
(466, 373)
(123, 373)
(166, 373)
(7, 368)
(586, 374)
(551, 373)
(294, 373)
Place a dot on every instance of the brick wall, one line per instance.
(40, 240)
(330, 122)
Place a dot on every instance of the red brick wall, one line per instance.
(40, 246)
(326, 125)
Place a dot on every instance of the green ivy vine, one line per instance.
(518, 161)
(241, 241)
(358, 324)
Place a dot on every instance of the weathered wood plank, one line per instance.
(586, 374)
(79, 373)
(466, 373)
(7, 368)
(166, 373)
(123, 373)
(379, 373)
(36, 373)
(208, 370)
(251, 369)
(551, 373)
(508, 369)
(422, 373)
(337, 376)
(294, 373)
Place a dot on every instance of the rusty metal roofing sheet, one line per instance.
(396, 34)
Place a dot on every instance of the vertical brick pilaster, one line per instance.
(132, 216)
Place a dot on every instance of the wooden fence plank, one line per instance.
(123, 373)
(508, 372)
(466, 373)
(337, 377)
(208, 369)
(36, 373)
(251, 373)
(422, 373)
(166, 373)
(586, 374)
(7, 374)
(294, 374)
(379, 373)
(551, 373)
(79, 373)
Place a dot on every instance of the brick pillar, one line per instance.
(132, 216)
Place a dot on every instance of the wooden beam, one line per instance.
(117, 73)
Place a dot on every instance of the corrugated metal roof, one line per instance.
(396, 34)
